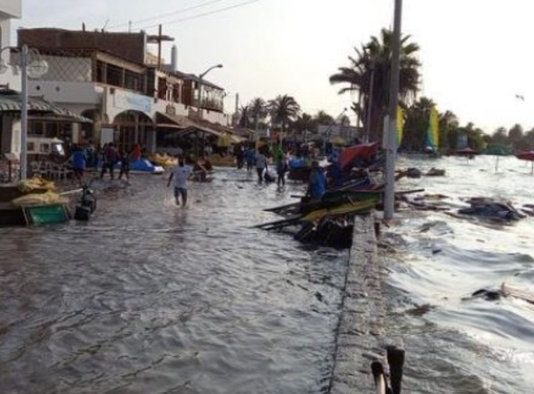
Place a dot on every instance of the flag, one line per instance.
(433, 130)
(400, 125)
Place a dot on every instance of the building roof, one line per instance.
(11, 102)
(11, 8)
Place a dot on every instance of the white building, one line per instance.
(106, 77)
(10, 77)
(9, 9)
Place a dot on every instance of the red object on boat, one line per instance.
(363, 151)
(526, 155)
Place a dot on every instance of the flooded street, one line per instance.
(147, 297)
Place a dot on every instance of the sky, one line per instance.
(476, 55)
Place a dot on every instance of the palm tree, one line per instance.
(244, 120)
(415, 129)
(283, 110)
(373, 63)
(305, 123)
(258, 111)
(322, 118)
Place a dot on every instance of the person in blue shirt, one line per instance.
(79, 162)
(250, 158)
(317, 186)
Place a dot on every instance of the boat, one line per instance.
(33, 215)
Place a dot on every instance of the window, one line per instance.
(36, 128)
(51, 130)
(45, 148)
(31, 146)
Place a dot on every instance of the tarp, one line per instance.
(363, 151)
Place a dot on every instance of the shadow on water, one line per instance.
(149, 297)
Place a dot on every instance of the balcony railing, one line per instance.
(210, 104)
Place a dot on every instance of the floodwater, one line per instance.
(151, 298)
(460, 344)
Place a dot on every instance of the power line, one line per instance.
(180, 11)
(204, 14)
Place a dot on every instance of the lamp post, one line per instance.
(200, 77)
(36, 69)
(391, 149)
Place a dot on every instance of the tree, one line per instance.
(322, 118)
(515, 137)
(374, 59)
(258, 111)
(528, 140)
(283, 110)
(448, 124)
(500, 136)
(416, 126)
(244, 119)
(305, 123)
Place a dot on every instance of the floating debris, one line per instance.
(493, 209)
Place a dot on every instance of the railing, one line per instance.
(210, 104)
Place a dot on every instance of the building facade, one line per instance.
(10, 76)
(112, 79)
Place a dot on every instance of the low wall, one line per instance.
(363, 310)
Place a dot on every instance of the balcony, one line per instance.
(210, 104)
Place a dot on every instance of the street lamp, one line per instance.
(200, 77)
(36, 69)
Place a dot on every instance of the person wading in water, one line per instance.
(180, 174)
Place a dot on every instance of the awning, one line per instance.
(11, 102)
(187, 125)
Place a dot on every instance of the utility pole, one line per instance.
(391, 149)
(24, 114)
(370, 104)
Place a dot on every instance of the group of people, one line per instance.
(258, 158)
(84, 157)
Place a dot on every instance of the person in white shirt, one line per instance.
(261, 165)
(181, 175)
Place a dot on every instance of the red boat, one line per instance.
(364, 152)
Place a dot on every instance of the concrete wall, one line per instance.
(67, 92)
(130, 46)
(360, 336)
(10, 135)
